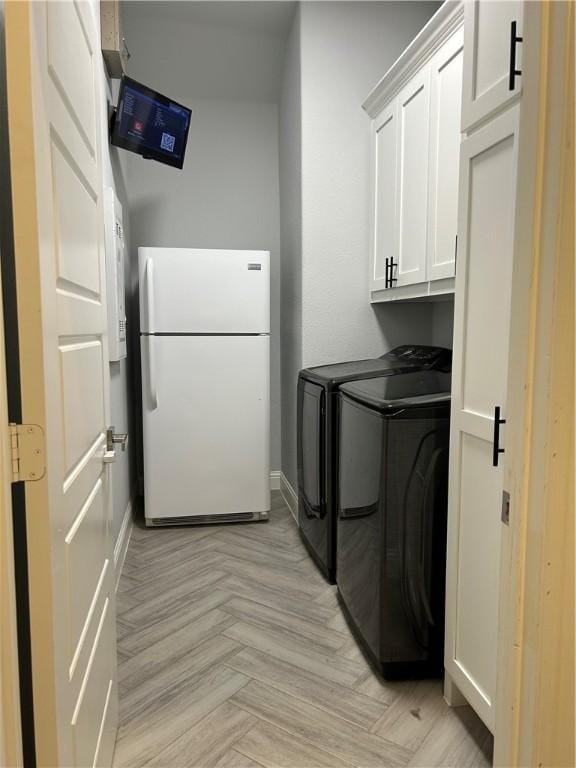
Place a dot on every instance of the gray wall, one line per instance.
(443, 323)
(346, 48)
(291, 243)
(227, 195)
(337, 53)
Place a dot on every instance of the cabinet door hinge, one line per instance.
(28, 452)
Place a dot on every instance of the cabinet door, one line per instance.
(488, 52)
(488, 161)
(413, 117)
(385, 199)
(445, 98)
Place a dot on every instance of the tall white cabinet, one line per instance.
(415, 111)
(486, 214)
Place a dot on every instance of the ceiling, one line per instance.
(263, 17)
(209, 50)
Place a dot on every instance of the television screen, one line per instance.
(150, 124)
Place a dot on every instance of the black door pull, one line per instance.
(514, 39)
(387, 275)
(393, 280)
(496, 450)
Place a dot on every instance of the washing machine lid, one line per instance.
(421, 356)
(412, 389)
(397, 360)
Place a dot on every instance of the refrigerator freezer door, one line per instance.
(185, 290)
(206, 428)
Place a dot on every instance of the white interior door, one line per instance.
(488, 163)
(445, 101)
(54, 98)
(206, 425)
(413, 125)
(385, 196)
(488, 51)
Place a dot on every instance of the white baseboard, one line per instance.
(289, 495)
(275, 480)
(121, 546)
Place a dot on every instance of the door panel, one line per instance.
(313, 467)
(83, 564)
(489, 267)
(206, 444)
(94, 746)
(445, 100)
(385, 236)
(71, 65)
(76, 206)
(312, 427)
(479, 556)
(482, 320)
(82, 372)
(359, 538)
(55, 79)
(487, 29)
(413, 117)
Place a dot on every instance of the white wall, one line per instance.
(227, 195)
(291, 244)
(346, 48)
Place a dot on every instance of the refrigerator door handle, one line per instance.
(152, 372)
(150, 294)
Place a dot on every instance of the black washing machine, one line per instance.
(392, 511)
(318, 438)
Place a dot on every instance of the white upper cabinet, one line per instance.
(415, 111)
(385, 210)
(492, 58)
(445, 100)
(409, 265)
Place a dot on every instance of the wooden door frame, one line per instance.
(535, 700)
(16, 722)
(40, 713)
(10, 726)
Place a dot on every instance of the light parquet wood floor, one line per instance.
(233, 653)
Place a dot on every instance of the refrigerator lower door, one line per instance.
(206, 421)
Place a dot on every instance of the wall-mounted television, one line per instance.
(150, 124)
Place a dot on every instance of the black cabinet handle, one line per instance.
(514, 39)
(496, 450)
(389, 280)
(393, 280)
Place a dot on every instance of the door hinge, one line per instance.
(28, 452)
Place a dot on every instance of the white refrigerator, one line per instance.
(205, 344)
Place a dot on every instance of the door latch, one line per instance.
(113, 439)
(116, 438)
